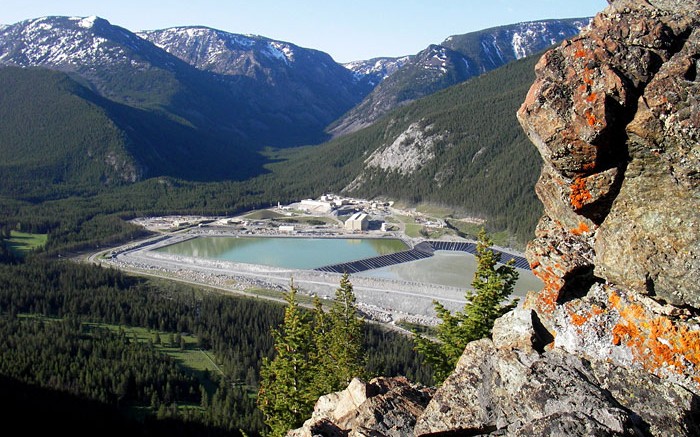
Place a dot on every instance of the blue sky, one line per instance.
(348, 30)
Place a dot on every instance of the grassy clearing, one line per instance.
(38, 317)
(470, 230)
(501, 238)
(189, 355)
(186, 352)
(435, 210)
(21, 243)
(436, 233)
(411, 228)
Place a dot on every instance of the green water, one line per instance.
(295, 253)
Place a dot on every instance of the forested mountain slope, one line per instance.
(461, 147)
(55, 132)
(279, 95)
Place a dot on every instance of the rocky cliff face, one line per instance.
(611, 344)
(614, 113)
(382, 407)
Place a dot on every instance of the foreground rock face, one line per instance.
(507, 386)
(615, 114)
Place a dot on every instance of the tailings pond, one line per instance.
(444, 268)
(293, 253)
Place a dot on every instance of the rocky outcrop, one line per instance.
(382, 407)
(506, 386)
(614, 114)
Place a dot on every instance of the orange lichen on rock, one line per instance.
(582, 316)
(590, 118)
(656, 341)
(579, 194)
(589, 166)
(577, 319)
(581, 229)
(591, 97)
(587, 76)
(547, 297)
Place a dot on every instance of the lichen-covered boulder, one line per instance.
(650, 241)
(508, 391)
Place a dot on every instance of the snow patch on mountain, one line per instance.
(280, 51)
(219, 51)
(437, 59)
(538, 33)
(56, 41)
(87, 22)
(375, 70)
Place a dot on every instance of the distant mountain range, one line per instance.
(455, 60)
(198, 103)
(254, 90)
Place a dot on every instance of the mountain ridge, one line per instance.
(456, 59)
(128, 69)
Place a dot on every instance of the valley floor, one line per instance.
(382, 299)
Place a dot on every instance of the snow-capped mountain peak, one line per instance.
(456, 59)
(222, 52)
(86, 22)
(56, 42)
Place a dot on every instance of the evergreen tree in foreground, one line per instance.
(314, 356)
(344, 357)
(285, 396)
(485, 303)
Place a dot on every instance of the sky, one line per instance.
(348, 30)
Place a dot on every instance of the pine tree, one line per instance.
(485, 303)
(322, 383)
(285, 396)
(345, 358)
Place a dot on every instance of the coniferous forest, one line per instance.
(67, 331)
